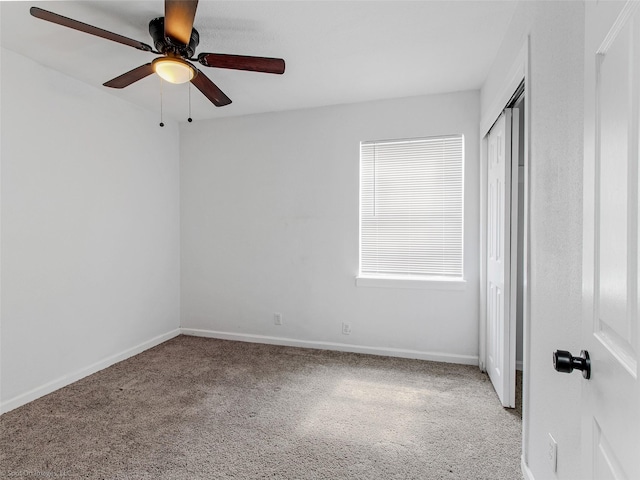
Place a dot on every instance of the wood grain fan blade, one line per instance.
(86, 28)
(210, 90)
(178, 19)
(242, 62)
(130, 77)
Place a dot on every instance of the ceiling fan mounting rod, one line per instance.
(167, 45)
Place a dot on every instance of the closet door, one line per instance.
(502, 191)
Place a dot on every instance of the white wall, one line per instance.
(90, 229)
(269, 212)
(556, 32)
(0, 221)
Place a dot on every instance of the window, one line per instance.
(411, 208)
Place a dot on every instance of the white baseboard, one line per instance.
(65, 380)
(526, 473)
(341, 347)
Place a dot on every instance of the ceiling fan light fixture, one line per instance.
(173, 70)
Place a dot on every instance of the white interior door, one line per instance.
(501, 329)
(611, 398)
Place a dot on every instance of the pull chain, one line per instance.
(161, 122)
(189, 119)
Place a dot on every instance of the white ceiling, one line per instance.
(335, 51)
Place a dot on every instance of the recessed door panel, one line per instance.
(616, 167)
(605, 461)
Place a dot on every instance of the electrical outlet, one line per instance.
(552, 454)
(277, 318)
(346, 328)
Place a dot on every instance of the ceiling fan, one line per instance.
(175, 40)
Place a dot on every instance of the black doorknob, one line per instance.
(564, 362)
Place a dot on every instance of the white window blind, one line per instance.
(411, 207)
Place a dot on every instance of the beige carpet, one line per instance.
(195, 408)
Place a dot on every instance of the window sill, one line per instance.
(436, 283)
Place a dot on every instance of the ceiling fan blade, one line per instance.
(86, 28)
(210, 90)
(130, 77)
(242, 62)
(178, 19)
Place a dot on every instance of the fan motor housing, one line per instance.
(167, 45)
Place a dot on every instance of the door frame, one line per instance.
(518, 73)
